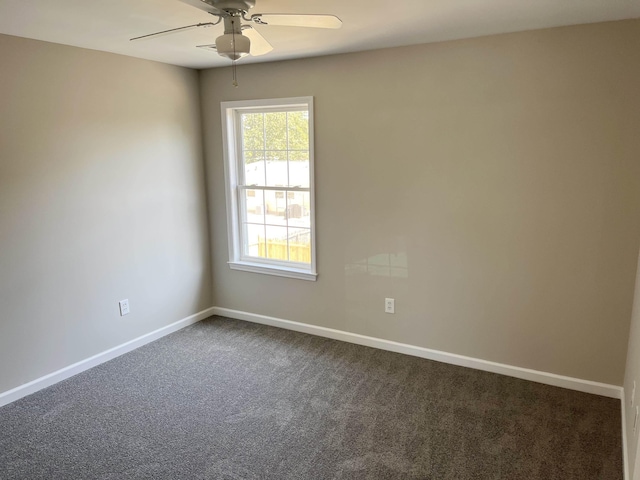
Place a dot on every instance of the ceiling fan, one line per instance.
(240, 40)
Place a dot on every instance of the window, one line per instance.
(268, 148)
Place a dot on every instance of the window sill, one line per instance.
(274, 270)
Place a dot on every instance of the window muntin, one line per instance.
(269, 154)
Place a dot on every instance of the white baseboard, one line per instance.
(587, 386)
(625, 453)
(71, 370)
(571, 383)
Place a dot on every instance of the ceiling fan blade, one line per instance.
(202, 5)
(174, 30)
(211, 46)
(259, 44)
(294, 20)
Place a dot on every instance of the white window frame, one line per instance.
(234, 172)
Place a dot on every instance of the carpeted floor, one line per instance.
(225, 399)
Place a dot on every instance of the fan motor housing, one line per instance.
(225, 5)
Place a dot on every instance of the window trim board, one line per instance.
(231, 147)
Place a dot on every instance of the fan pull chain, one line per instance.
(233, 64)
(235, 77)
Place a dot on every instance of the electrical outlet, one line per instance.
(633, 393)
(124, 307)
(389, 305)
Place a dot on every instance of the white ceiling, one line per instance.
(368, 24)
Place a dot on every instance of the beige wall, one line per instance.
(101, 198)
(504, 168)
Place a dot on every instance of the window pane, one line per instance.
(254, 173)
(277, 243)
(300, 245)
(299, 209)
(252, 131)
(299, 168)
(276, 207)
(275, 127)
(298, 130)
(254, 240)
(254, 205)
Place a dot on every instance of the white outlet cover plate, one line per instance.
(124, 307)
(389, 305)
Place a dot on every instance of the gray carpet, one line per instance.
(224, 399)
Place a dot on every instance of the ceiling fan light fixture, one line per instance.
(233, 46)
